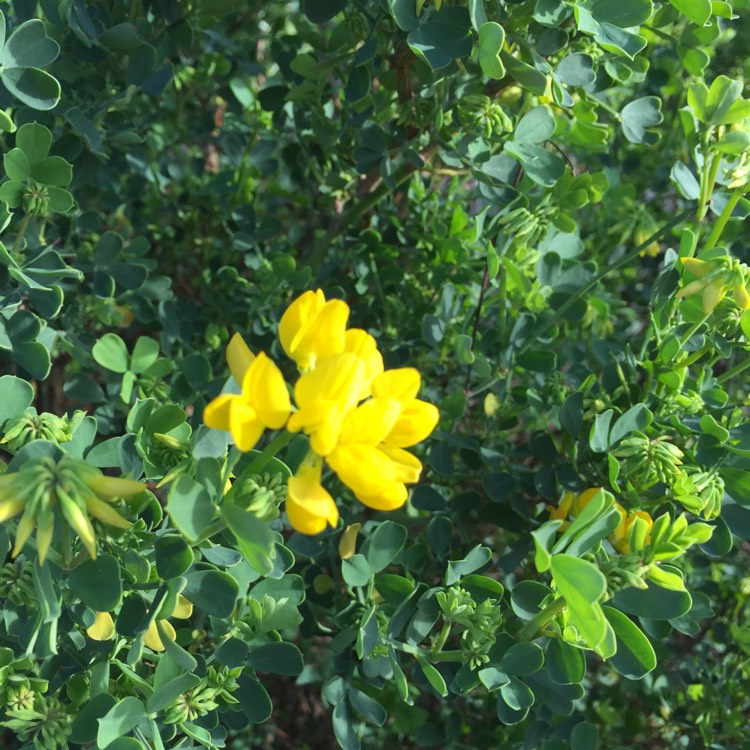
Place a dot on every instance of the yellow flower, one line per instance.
(308, 505)
(584, 499)
(416, 419)
(103, 628)
(364, 346)
(312, 328)
(561, 512)
(263, 403)
(182, 611)
(324, 396)
(374, 471)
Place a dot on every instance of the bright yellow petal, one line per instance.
(327, 336)
(338, 379)
(103, 628)
(696, 266)
(296, 319)
(151, 638)
(105, 513)
(216, 413)
(114, 487)
(239, 357)
(361, 343)
(265, 389)
(402, 384)
(407, 467)
(371, 422)
(416, 421)
(348, 541)
(362, 468)
(184, 608)
(393, 496)
(560, 513)
(741, 296)
(244, 425)
(10, 508)
(309, 507)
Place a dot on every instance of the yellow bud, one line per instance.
(348, 543)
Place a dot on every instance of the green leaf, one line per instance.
(445, 37)
(635, 655)
(566, 664)
(320, 11)
(405, 13)
(544, 539)
(111, 353)
(698, 11)
(29, 47)
(49, 598)
(491, 40)
(190, 507)
(577, 69)
(255, 701)
(119, 720)
(477, 558)
(522, 659)
(599, 435)
(654, 602)
(639, 115)
(53, 170)
(343, 727)
(33, 87)
(582, 584)
(721, 97)
(145, 353)
(254, 538)
(620, 13)
(638, 417)
(736, 481)
(98, 583)
(173, 556)
(85, 725)
(356, 571)
(526, 598)
(212, 591)
(584, 736)
(383, 546)
(16, 396)
(17, 165)
(433, 676)
(517, 694)
(277, 658)
(536, 126)
(367, 706)
(35, 141)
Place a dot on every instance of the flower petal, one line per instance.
(184, 608)
(371, 422)
(10, 508)
(337, 379)
(402, 384)
(264, 387)
(216, 413)
(244, 425)
(114, 487)
(407, 467)
(103, 628)
(393, 496)
(416, 421)
(362, 468)
(105, 513)
(309, 507)
(239, 357)
(295, 319)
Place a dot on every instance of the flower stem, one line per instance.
(531, 630)
(721, 222)
(261, 460)
(736, 370)
(441, 639)
(21, 232)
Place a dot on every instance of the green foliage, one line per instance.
(538, 205)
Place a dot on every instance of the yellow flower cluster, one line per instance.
(715, 278)
(572, 505)
(358, 416)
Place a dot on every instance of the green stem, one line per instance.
(721, 222)
(21, 232)
(530, 631)
(693, 328)
(441, 639)
(708, 180)
(560, 312)
(736, 370)
(269, 452)
(695, 356)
